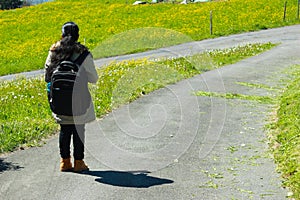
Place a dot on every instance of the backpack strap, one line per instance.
(79, 60)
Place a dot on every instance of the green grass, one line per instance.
(285, 134)
(25, 116)
(114, 27)
(139, 39)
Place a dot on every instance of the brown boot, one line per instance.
(80, 166)
(65, 165)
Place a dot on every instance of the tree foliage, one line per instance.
(10, 4)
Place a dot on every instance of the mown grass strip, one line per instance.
(285, 134)
(132, 79)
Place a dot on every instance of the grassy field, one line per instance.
(117, 27)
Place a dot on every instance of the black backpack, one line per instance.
(69, 94)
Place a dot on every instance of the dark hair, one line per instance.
(66, 47)
(70, 29)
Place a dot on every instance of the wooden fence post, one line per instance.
(298, 7)
(284, 11)
(211, 22)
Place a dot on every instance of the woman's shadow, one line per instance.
(137, 179)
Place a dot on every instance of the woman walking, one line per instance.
(68, 48)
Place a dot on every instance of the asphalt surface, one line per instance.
(172, 144)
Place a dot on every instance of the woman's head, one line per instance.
(68, 45)
(64, 49)
(70, 29)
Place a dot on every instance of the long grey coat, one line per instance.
(92, 75)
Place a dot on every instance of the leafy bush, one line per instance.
(10, 4)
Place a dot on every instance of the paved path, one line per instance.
(172, 144)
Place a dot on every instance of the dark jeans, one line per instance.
(66, 132)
